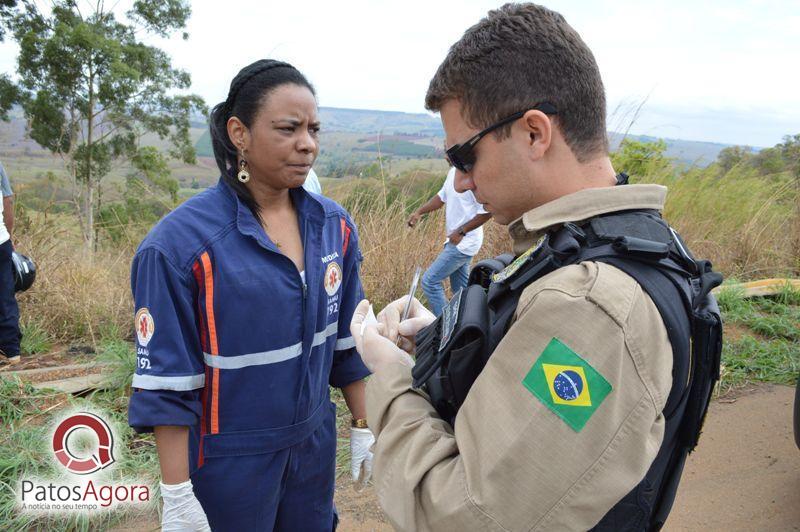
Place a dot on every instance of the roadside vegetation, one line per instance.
(762, 338)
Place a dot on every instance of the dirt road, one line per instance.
(745, 474)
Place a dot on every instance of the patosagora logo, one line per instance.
(100, 457)
(83, 445)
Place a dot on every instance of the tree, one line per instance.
(732, 156)
(8, 90)
(640, 159)
(768, 161)
(91, 90)
(6, 11)
(790, 151)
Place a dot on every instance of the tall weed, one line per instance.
(391, 249)
(75, 296)
(741, 221)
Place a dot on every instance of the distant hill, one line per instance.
(689, 152)
(415, 135)
(421, 124)
(386, 122)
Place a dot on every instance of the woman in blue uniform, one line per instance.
(243, 299)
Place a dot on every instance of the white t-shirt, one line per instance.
(460, 208)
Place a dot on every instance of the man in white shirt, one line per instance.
(464, 218)
(9, 311)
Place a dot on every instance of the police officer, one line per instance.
(567, 416)
(243, 298)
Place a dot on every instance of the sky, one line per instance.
(717, 71)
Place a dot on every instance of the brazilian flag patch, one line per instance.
(566, 384)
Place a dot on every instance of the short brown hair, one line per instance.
(516, 57)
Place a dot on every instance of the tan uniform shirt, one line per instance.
(511, 463)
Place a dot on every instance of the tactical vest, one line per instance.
(453, 350)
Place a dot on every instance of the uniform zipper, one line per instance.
(303, 281)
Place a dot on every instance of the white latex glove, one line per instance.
(182, 510)
(375, 350)
(360, 442)
(403, 333)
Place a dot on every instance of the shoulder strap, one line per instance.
(641, 244)
(670, 294)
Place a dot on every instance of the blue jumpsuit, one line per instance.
(233, 342)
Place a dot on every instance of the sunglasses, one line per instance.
(461, 156)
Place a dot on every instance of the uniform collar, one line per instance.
(308, 208)
(582, 205)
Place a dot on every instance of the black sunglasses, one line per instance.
(460, 155)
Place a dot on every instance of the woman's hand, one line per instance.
(182, 510)
(360, 442)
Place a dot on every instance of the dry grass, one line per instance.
(742, 223)
(391, 249)
(76, 297)
(745, 224)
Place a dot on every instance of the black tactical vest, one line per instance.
(453, 350)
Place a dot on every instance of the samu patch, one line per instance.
(566, 384)
(145, 326)
(333, 278)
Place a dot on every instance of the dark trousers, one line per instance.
(9, 311)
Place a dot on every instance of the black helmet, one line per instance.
(24, 271)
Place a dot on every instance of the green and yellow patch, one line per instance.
(566, 384)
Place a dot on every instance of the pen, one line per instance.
(411, 292)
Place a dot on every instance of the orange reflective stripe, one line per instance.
(212, 339)
(215, 403)
(345, 237)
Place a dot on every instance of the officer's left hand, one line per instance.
(402, 333)
(360, 442)
(375, 350)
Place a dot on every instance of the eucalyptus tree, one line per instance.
(8, 90)
(90, 89)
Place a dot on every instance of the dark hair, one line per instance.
(516, 57)
(245, 96)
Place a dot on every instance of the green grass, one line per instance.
(763, 340)
(17, 400)
(120, 359)
(35, 339)
(750, 359)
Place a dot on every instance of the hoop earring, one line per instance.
(243, 176)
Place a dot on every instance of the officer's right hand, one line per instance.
(182, 510)
(418, 318)
(375, 349)
(413, 219)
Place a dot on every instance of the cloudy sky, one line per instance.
(721, 71)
